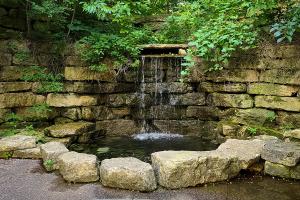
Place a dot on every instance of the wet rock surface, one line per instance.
(127, 173)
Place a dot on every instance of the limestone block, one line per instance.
(84, 73)
(231, 100)
(78, 167)
(118, 127)
(188, 99)
(278, 103)
(222, 87)
(69, 129)
(291, 76)
(272, 89)
(127, 173)
(17, 142)
(70, 100)
(14, 86)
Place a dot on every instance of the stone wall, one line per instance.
(258, 91)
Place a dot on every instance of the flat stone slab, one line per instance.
(50, 152)
(247, 151)
(285, 153)
(177, 169)
(17, 142)
(69, 129)
(78, 167)
(127, 173)
(34, 153)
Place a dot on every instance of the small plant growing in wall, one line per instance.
(48, 164)
(48, 81)
(252, 131)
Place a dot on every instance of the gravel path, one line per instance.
(27, 180)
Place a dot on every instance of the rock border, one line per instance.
(170, 169)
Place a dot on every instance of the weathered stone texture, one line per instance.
(50, 152)
(166, 112)
(176, 169)
(33, 153)
(70, 100)
(278, 103)
(272, 89)
(243, 76)
(173, 87)
(288, 119)
(127, 173)
(5, 59)
(10, 100)
(284, 153)
(14, 86)
(222, 87)
(118, 127)
(203, 112)
(17, 142)
(231, 100)
(292, 133)
(204, 129)
(288, 76)
(188, 99)
(69, 129)
(78, 167)
(84, 73)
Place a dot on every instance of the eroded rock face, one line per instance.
(50, 152)
(69, 129)
(17, 142)
(285, 153)
(78, 167)
(247, 151)
(127, 173)
(176, 169)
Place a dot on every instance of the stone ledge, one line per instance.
(69, 129)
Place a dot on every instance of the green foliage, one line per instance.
(48, 164)
(49, 82)
(120, 47)
(13, 119)
(8, 132)
(252, 131)
(288, 24)
(271, 116)
(41, 108)
(6, 155)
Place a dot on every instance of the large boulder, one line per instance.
(50, 152)
(78, 167)
(176, 169)
(247, 151)
(127, 173)
(285, 153)
(69, 129)
(17, 142)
